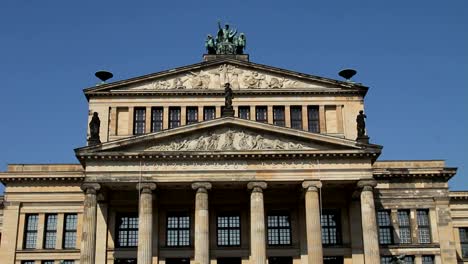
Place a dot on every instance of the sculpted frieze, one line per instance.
(228, 140)
(216, 77)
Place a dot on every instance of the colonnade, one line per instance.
(257, 222)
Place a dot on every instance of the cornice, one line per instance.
(458, 195)
(444, 173)
(8, 177)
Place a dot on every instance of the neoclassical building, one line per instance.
(181, 168)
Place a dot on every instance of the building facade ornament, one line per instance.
(313, 185)
(146, 187)
(90, 188)
(201, 186)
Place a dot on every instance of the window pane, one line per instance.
(261, 114)
(174, 117)
(279, 232)
(47, 262)
(30, 234)
(385, 227)
(296, 117)
(330, 221)
(139, 121)
(178, 230)
(386, 260)
(50, 231)
(69, 234)
(157, 119)
(313, 119)
(244, 112)
(209, 112)
(424, 233)
(428, 259)
(278, 116)
(192, 115)
(127, 230)
(464, 241)
(228, 230)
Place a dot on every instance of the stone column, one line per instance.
(88, 237)
(369, 223)
(313, 223)
(202, 238)
(257, 223)
(145, 223)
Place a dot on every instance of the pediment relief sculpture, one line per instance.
(229, 140)
(216, 77)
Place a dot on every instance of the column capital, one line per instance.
(201, 186)
(367, 185)
(257, 186)
(90, 188)
(146, 187)
(312, 185)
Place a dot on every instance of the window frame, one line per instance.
(388, 227)
(189, 119)
(422, 227)
(127, 230)
(157, 122)
(279, 228)
(463, 233)
(229, 228)
(313, 121)
(206, 113)
(243, 109)
(28, 231)
(139, 121)
(178, 229)
(404, 226)
(178, 121)
(49, 230)
(432, 257)
(279, 115)
(337, 213)
(262, 108)
(295, 120)
(67, 231)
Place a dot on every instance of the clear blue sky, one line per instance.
(412, 54)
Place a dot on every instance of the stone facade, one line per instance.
(284, 181)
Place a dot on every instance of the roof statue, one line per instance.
(226, 41)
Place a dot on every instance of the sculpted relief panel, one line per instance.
(215, 78)
(229, 140)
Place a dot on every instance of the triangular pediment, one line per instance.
(212, 75)
(229, 135)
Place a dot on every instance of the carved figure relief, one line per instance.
(227, 140)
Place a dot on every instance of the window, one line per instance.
(385, 227)
(27, 262)
(125, 261)
(127, 230)
(157, 119)
(332, 260)
(409, 260)
(174, 117)
(47, 262)
(296, 117)
(178, 230)
(330, 221)
(228, 230)
(386, 260)
(50, 235)
(30, 231)
(279, 230)
(424, 229)
(139, 121)
(261, 114)
(313, 119)
(69, 232)
(209, 113)
(244, 112)
(428, 259)
(464, 241)
(278, 116)
(404, 226)
(67, 262)
(192, 115)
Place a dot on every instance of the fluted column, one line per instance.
(202, 238)
(313, 224)
(369, 223)
(257, 223)
(145, 223)
(88, 237)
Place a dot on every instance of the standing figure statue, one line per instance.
(398, 259)
(240, 43)
(210, 44)
(361, 124)
(225, 34)
(228, 96)
(94, 127)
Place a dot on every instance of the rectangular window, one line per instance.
(178, 230)
(404, 226)
(228, 230)
(69, 231)
(67, 262)
(296, 117)
(139, 121)
(330, 221)
(126, 261)
(47, 262)
(127, 230)
(279, 230)
(192, 115)
(261, 114)
(278, 116)
(30, 231)
(428, 259)
(313, 119)
(157, 119)
(244, 112)
(424, 228)
(464, 241)
(385, 227)
(174, 117)
(27, 262)
(386, 260)
(409, 260)
(209, 113)
(50, 235)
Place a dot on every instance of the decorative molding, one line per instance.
(313, 185)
